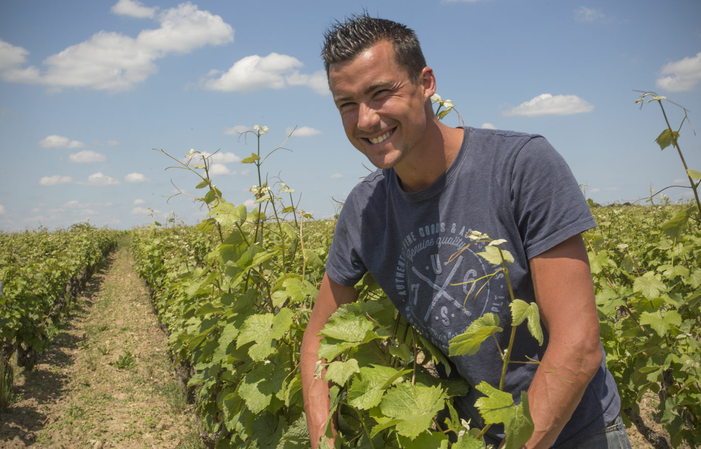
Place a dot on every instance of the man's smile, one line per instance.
(381, 138)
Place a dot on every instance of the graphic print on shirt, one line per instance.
(440, 296)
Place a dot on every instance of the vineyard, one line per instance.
(40, 274)
(235, 292)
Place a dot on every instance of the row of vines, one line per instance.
(41, 273)
(235, 293)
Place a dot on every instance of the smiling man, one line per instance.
(435, 185)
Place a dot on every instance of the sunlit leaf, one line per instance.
(339, 372)
(366, 392)
(693, 174)
(649, 285)
(666, 138)
(413, 407)
(470, 341)
(520, 427)
(497, 407)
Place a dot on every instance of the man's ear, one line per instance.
(428, 81)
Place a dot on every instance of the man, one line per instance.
(435, 185)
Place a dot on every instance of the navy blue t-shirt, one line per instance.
(508, 185)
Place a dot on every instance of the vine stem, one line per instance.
(681, 156)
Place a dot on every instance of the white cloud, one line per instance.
(75, 204)
(55, 180)
(547, 104)
(138, 202)
(136, 177)
(54, 141)
(87, 157)
(682, 75)
(98, 179)
(589, 15)
(133, 9)
(303, 131)
(115, 62)
(488, 126)
(2, 209)
(274, 71)
(11, 60)
(250, 204)
(219, 170)
(142, 211)
(337, 176)
(11, 56)
(222, 158)
(238, 129)
(317, 81)
(113, 143)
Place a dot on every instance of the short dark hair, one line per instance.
(343, 41)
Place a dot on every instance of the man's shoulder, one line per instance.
(506, 146)
(371, 186)
(502, 135)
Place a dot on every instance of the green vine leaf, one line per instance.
(426, 440)
(263, 329)
(251, 159)
(411, 408)
(366, 392)
(347, 325)
(469, 342)
(497, 407)
(649, 286)
(520, 427)
(660, 323)
(492, 255)
(693, 174)
(520, 311)
(257, 388)
(339, 372)
(297, 435)
(666, 138)
(467, 441)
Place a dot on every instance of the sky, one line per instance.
(89, 89)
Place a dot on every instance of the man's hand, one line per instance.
(565, 295)
(316, 390)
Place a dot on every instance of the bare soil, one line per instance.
(106, 381)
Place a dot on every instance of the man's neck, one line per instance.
(443, 146)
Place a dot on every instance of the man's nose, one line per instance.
(368, 119)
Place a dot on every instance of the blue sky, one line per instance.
(88, 89)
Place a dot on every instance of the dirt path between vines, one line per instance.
(106, 381)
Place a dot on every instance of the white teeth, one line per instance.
(385, 136)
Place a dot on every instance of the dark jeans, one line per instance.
(611, 437)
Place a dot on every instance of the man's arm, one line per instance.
(316, 391)
(565, 295)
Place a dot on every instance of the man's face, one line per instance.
(383, 112)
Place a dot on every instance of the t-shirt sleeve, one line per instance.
(344, 265)
(548, 205)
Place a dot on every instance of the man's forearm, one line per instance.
(315, 391)
(557, 390)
